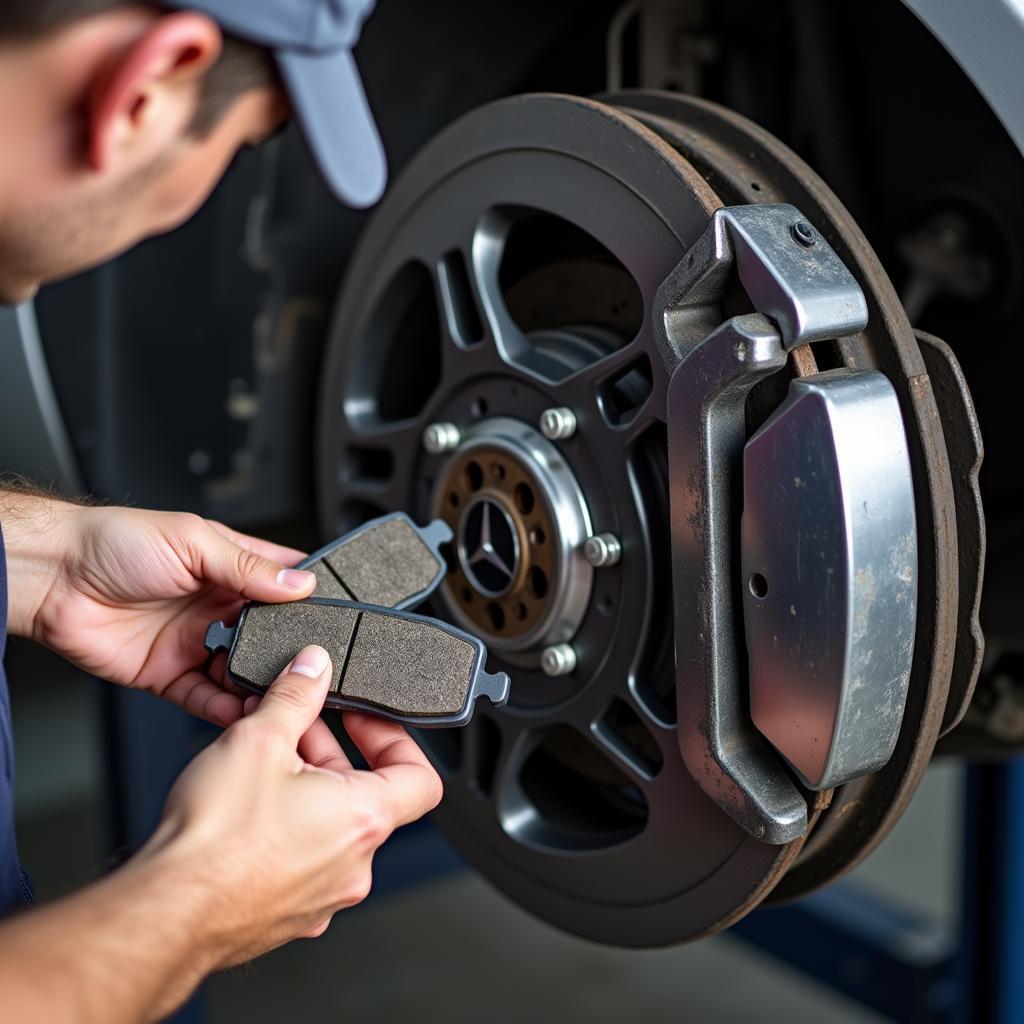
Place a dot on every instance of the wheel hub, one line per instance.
(520, 519)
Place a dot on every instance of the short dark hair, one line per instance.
(240, 67)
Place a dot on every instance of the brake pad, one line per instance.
(405, 667)
(388, 561)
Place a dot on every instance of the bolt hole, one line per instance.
(524, 499)
(538, 582)
(758, 586)
(754, 185)
(474, 476)
(467, 594)
(537, 536)
(479, 407)
(605, 604)
(521, 612)
(453, 500)
(497, 471)
(497, 616)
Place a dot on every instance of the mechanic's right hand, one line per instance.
(275, 818)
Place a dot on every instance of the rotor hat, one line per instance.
(312, 42)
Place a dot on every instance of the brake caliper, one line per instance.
(827, 556)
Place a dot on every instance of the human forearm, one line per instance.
(127, 949)
(37, 530)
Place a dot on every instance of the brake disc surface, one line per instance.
(510, 271)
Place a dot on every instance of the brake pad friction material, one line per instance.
(327, 584)
(401, 666)
(388, 562)
(293, 626)
(408, 666)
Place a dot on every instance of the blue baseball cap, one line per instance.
(312, 41)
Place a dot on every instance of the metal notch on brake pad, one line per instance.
(388, 561)
(408, 668)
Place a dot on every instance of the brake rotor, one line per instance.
(511, 271)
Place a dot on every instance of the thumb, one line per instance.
(296, 698)
(249, 574)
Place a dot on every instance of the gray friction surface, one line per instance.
(327, 584)
(272, 634)
(385, 565)
(413, 668)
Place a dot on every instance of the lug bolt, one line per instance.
(804, 233)
(558, 424)
(602, 550)
(439, 438)
(559, 660)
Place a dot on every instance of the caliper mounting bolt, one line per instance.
(804, 233)
(558, 424)
(602, 550)
(439, 438)
(558, 660)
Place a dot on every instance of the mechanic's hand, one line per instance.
(135, 591)
(273, 817)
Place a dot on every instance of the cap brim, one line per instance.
(331, 106)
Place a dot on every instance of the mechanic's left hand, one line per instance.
(136, 590)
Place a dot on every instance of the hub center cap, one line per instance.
(489, 547)
(520, 581)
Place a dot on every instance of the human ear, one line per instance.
(145, 96)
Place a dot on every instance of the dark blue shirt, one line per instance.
(14, 887)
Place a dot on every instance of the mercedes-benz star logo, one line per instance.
(488, 547)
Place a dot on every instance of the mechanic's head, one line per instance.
(121, 117)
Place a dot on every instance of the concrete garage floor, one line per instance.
(454, 948)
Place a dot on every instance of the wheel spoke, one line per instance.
(631, 738)
(376, 461)
(458, 294)
(622, 388)
(585, 383)
(502, 334)
(493, 756)
(482, 749)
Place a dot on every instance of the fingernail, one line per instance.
(311, 662)
(295, 579)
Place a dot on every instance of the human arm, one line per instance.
(267, 834)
